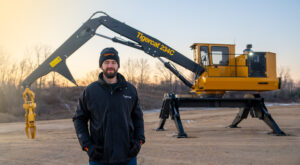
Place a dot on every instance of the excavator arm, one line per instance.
(139, 40)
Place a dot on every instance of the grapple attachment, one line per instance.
(29, 106)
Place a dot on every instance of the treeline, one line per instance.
(289, 92)
(57, 98)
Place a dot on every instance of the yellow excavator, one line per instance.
(225, 71)
(217, 69)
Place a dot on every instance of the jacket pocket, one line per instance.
(97, 154)
(135, 148)
(96, 133)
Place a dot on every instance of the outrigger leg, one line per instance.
(170, 107)
(258, 110)
(243, 114)
(164, 113)
(266, 116)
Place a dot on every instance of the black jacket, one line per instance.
(116, 120)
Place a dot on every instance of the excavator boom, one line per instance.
(57, 61)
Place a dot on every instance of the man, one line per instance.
(116, 125)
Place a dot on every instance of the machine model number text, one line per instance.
(155, 44)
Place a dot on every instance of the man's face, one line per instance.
(110, 68)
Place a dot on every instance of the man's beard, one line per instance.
(110, 75)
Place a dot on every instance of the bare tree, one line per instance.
(24, 68)
(164, 74)
(130, 71)
(37, 52)
(41, 53)
(89, 78)
(4, 66)
(13, 74)
(287, 84)
(143, 69)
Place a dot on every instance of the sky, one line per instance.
(268, 25)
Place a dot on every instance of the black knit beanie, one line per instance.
(109, 53)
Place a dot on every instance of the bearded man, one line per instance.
(111, 107)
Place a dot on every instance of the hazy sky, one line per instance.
(270, 25)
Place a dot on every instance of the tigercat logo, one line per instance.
(127, 97)
(109, 54)
(158, 45)
(147, 40)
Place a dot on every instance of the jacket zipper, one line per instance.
(112, 145)
(111, 90)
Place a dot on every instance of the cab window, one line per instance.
(204, 55)
(220, 55)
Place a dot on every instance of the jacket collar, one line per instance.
(121, 81)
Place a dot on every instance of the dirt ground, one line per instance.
(209, 142)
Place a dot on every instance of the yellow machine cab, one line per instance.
(228, 71)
